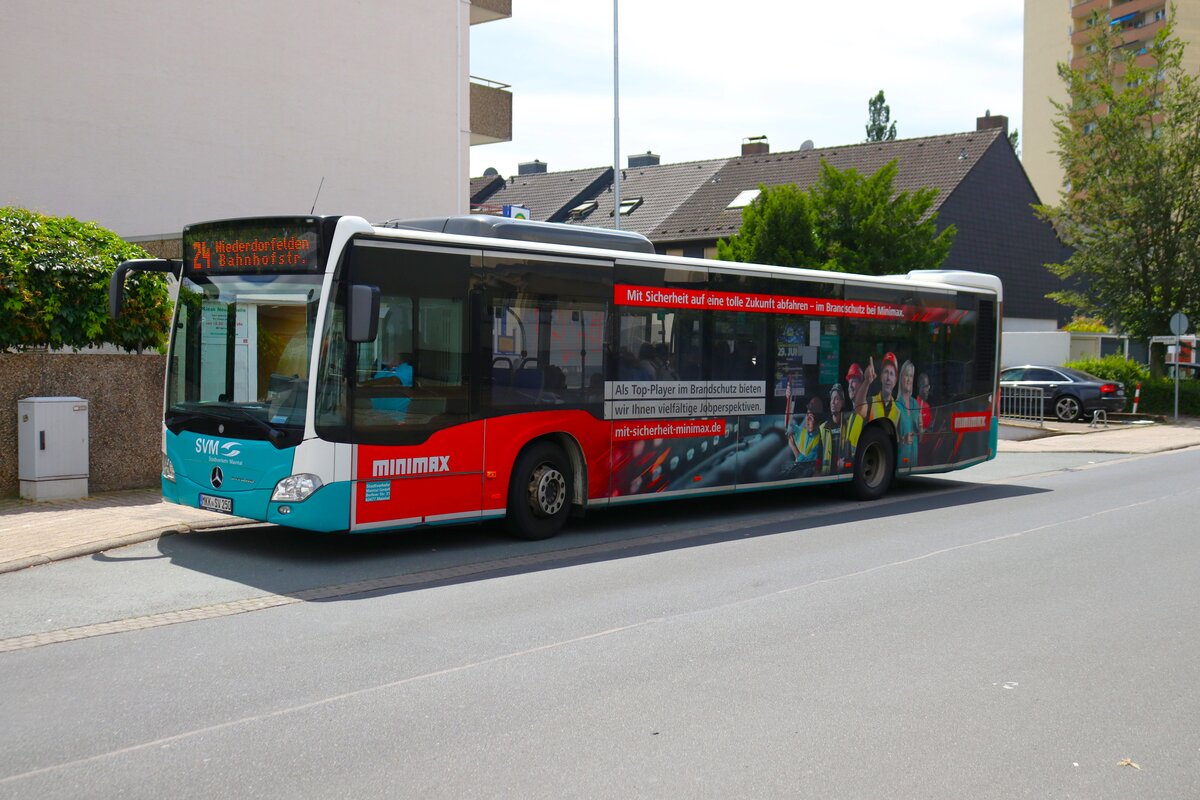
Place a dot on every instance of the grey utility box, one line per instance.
(52, 447)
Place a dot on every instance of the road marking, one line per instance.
(261, 603)
(352, 588)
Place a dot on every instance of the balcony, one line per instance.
(1121, 8)
(491, 111)
(1084, 9)
(490, 10)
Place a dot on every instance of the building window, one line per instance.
(744, 198)
(582, 210)
(628, 205)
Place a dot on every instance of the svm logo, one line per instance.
(215, 447)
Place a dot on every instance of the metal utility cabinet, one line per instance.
(52, 446)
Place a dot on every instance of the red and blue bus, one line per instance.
(330, 374)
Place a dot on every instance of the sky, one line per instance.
(697, 78)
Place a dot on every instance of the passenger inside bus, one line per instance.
(399, 373)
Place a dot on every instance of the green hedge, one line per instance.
(1158, 394)
(54, 274)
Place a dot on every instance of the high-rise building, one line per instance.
(1059, 32)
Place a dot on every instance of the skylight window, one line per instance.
(628, 205)
(582, 210)
(744, 198)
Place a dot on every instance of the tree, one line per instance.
(844, 222)
(1129, 144)
(878, 114)
(868, 227)
(777, 228)
(54, 274)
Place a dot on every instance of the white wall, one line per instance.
(1029, 324)
(145, 115)
(1034, 347)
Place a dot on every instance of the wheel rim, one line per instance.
(547, 491)
(872, 466)
(1067, 408)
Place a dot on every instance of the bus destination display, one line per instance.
(287, 246)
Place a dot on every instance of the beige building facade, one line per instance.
(1057, 32)
(147, 115)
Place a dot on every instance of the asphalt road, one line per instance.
(1026, 627)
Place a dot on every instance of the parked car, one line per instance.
(1067, 394)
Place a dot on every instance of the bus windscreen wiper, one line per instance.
(232, 413)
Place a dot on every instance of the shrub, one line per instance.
(1114, 368)
(1158, 394)
(54, 274)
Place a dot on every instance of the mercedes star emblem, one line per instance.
(217, 478)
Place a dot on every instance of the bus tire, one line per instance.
(874, 464)
(539, 494)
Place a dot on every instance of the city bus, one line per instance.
(334, 375)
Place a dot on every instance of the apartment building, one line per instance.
(1058, 32)
(147, 115)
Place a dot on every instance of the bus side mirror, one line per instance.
(116, 284)
(362, 323)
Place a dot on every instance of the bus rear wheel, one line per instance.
(874, 464)
(539, 494)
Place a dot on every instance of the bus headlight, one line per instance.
(296, 488)
(168, 469)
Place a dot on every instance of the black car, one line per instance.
(1067, 394)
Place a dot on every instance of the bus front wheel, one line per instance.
(539, 494)
(874, 464)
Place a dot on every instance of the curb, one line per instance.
(87, 549)
(99, 546)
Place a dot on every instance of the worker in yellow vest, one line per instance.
(883, 404)
(839, 434)
(804, 440)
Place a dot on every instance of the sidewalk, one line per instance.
(37, 533)
(1117, 437)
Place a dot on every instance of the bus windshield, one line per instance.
(240, 353)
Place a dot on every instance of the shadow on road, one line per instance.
(323, 567)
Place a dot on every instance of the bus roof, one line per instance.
(528, 231)
(558, 237)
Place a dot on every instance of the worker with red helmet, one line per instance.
(883, 404)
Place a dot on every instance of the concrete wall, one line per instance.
(146, 115)
(124, 394)
(1044, 347)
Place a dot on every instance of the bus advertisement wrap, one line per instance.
(527, 377)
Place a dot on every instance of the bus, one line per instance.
(334, 375)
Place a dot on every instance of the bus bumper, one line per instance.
(326, 510)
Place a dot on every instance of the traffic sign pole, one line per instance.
(1179, 326)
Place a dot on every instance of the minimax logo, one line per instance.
(389, 467)
(215, 447)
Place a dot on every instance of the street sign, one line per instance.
(1179, 323)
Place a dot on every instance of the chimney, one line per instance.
(755, 146)
(646, 159)
(534, 167)
(988, 121)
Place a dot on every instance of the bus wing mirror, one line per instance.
(116, 284)
(363, 319)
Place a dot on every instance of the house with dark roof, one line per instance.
(685, 208)
(549, 196)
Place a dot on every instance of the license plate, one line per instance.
(222, 504)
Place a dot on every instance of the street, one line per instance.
(1025, 627)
